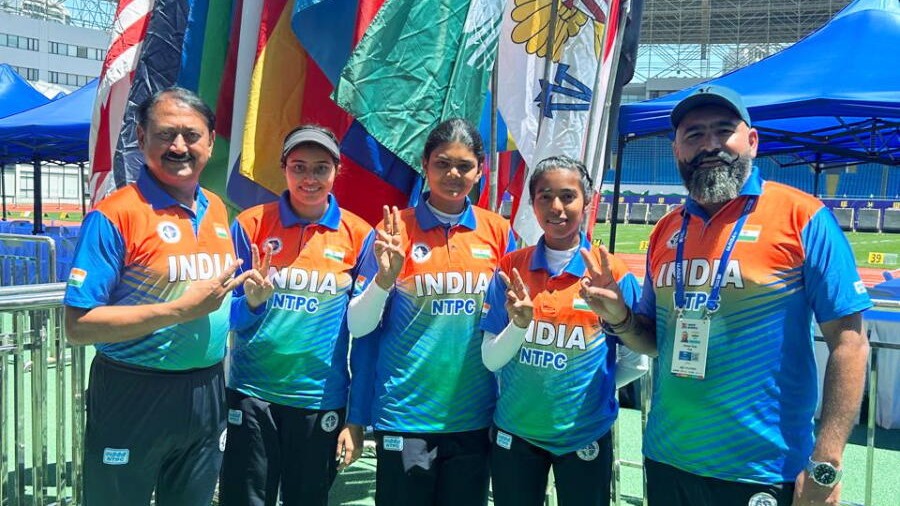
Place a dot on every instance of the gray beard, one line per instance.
(719, 184)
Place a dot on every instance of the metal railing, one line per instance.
(16, 268)
(31, 328)
(33, 346)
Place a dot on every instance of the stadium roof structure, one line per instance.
(731, 21)
(831, 99)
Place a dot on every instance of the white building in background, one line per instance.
(40, 39)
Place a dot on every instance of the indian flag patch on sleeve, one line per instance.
(750, 233)
(221, 231)
(76, 277)
(579, 303)
(482, 252)
(485, 307)
(334, 254)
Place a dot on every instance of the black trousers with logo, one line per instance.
(520, 470)
(152, 430)
(432, 469)
(272, 447)
(670, 486)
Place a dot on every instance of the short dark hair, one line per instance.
(180, 94)
(455, 130)
(562, 163)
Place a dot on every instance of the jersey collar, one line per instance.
(331, 219)
(575, 266)
(753, 186)
(427, 220)
(160, 199)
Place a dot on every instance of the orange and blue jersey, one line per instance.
(557, 393)
(293, 350)
(751, 418)
(141, 246)
(429, 376)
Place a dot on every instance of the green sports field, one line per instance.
(868, 248)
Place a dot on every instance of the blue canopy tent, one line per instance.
(16, 95)
(833, 98)
(56, 132)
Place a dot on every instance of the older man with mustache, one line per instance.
(152, 268)
(734, 280)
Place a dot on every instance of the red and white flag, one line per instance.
(129, 30)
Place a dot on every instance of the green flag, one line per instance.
(419, 63)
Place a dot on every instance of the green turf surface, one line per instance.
(48, 215)
(875, 247)
(629, 238)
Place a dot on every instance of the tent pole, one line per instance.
(617, 187)
(81, 189)
(818, 169)
(38, 196)
(3, 187)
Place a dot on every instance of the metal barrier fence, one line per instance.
(20, 263)
(33, 353)
(31, 329)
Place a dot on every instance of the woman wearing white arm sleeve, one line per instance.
(498, 349)
(555, 364)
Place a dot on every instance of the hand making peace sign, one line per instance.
(389, 249)
(518, 302)
(258, 287)
(599, 288)
(204, 297)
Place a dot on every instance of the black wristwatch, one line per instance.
(823, 473)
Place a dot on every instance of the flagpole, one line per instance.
(494, 180)
(548, 67)
(592, 160)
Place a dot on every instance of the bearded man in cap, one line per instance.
(742, 268)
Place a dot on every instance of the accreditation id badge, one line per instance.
(691, 343)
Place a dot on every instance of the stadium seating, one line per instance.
(649, 161)
(868, 220)
(639, 213)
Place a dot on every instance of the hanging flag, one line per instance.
(547, 89)
(155, 45)
(204, 53)
(600, 141)
(279, 84)
(249, 60)
(129, 29)
(419, 63)
(157, 68)
(328, 30)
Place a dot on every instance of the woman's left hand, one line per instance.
(349, 445)
(600, 290)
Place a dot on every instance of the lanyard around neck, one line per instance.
(712, 303)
